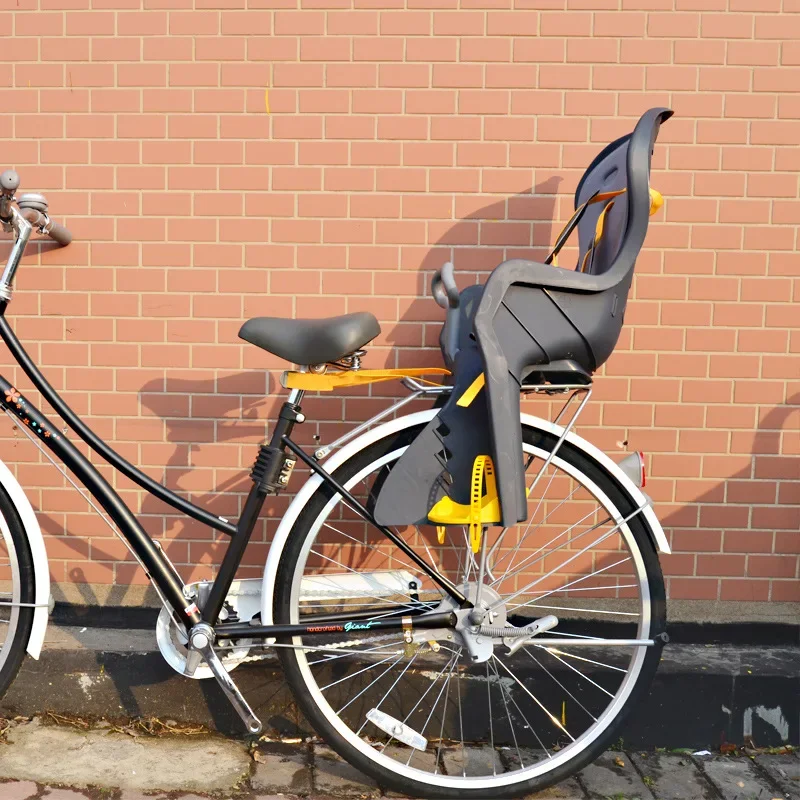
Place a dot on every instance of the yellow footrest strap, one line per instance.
(328, 381)
(483, 509)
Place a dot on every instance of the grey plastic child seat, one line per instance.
(533, 322)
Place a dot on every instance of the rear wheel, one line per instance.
(426, 717)
(16, 590)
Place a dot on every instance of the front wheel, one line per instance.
(16, 591)
(426, 717)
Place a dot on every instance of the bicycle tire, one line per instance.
(320, 717)
(14, 545)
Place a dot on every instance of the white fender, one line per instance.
(41, 568)
(409, 421)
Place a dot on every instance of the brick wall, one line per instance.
(235, 158)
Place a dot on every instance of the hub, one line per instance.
(478, 646)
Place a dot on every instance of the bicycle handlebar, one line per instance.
(58, 233)
(30, 214)
(33, 207)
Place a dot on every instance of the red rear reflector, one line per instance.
(644, 473)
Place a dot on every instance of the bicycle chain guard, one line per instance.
(243, 600)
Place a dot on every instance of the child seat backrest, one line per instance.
(622, 168)
(607, 175)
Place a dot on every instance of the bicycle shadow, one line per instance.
(213, 426)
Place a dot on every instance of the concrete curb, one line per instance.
(702, 697)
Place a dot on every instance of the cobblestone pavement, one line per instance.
(41, 762)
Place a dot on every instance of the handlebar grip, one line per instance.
(9, 182)
(58, 233)
(443, 287)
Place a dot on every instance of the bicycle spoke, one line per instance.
(569, 693)
(508, 714)
(417, 704)
(361, 671)
(491, 718)
(397, 680)
(571, 583)
(533, 697)
(366, 545)
(552, 650)
(553, 571)
(530, 560)
(352, 652)
(575, 670)
(352, 699)
(433, 708)
(411, 604)
(444, 712)
(585, 610)
(461, 730)
(528, 530)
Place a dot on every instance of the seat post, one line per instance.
(270, 474)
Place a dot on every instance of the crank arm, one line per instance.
(200, 644)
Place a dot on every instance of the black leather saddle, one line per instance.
(311, 341)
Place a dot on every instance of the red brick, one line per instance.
(391, 168)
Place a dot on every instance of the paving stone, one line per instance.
(18, 790)
(280, 768)
(613, 775)
(473, 761)
(62, 794)
(526, 756)
(280, 797)
(334, 775)
(420, 760)
(129, 795)
(569, 789)
(785, 771)
(674, 777)
(78, 758)
(737, 779)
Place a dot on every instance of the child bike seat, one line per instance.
(532, 321)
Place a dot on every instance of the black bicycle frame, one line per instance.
(150, 554)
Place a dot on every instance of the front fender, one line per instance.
(422, 418)
(41, 568)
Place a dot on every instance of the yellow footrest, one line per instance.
(483, 509)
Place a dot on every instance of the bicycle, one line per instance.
(435, 633)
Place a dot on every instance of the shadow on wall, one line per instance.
(746, 526)
(212, 427)
(514, 226)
